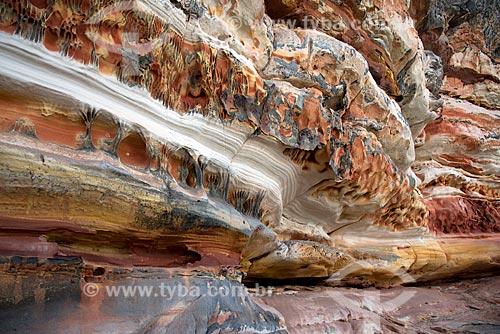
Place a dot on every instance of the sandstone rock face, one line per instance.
(459, 168)
(435, 309)
(460, 176)
(202, 145)
(464, 35)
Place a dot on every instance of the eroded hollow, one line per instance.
(184, 168)
(132, 151)
(125, 249)
(277, 9)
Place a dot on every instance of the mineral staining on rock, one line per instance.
(204, 135)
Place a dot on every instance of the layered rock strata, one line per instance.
(241, 141)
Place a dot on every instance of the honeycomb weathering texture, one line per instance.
(210, 143)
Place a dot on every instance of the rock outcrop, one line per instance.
(203, 145)
(464, 35)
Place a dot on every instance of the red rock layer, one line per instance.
(461, 184)
(459, 215)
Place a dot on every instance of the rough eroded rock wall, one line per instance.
(351, 142)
